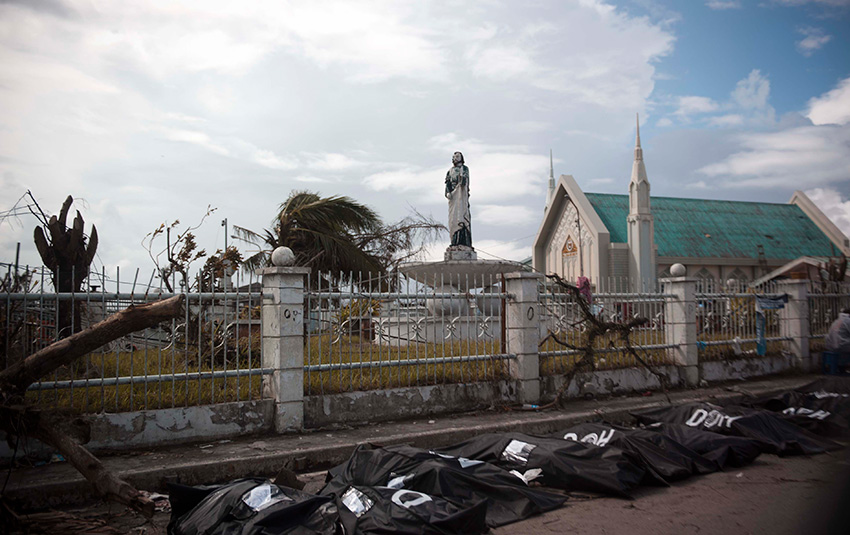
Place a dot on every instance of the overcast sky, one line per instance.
(148, 111)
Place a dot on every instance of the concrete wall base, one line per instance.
(727, 370)
(144, 429)
(609, 382)
(405, 403)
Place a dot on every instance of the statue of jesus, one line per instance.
(457, 192)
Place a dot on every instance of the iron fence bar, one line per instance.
(390, 295)
(567, 352)
(126, 380)
(116, 296)
(405, 362)
(742, 341)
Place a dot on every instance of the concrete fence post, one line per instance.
(523, 333)
(794, 321)
(680, 326)
(283, 343)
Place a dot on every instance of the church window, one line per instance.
(706, 281)
(569, 248)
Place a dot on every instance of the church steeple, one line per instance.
(639, 185)
(551, 192)
(638, 150)
(638, 167)
(641, 224)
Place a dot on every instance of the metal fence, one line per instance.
(211, 354)
(361, 332)
(826, 301)
(727, 323)
(370, 332)
(562, 317)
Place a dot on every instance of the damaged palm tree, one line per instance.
(596, 328)
(67, 253)
(19, 419)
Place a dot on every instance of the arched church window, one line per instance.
(705, 282)
(663, 275)
(739, 276)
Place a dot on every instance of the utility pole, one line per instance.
(224, 224)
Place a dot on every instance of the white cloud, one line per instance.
(832, 107)
(502, 62)
(753, 91)
(691, 105)
(591, 72)
(813, 39)
(496, 249)
(812, 155)
(232, 148)
(733, 119)
(332, 162)
(664, 122)
(721, 4)
(504, 215)
(311, 179)
(835, 3)
(748, 104)
(831, 203)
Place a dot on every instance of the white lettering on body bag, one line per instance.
(418, 498)
(802, 411)
(709, 419)
(592, 438)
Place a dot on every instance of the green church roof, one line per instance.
(700, 228)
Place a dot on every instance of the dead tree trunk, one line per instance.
(16, 418)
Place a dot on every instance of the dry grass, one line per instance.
(355, 349)
(153, 395)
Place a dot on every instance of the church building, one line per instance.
(628, 241)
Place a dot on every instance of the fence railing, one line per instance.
(212, 354)
(366, 333)
(360, 332)
(727, 322)
(826, 301)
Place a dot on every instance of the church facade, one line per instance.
(628, 241)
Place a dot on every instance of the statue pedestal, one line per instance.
(460, 252)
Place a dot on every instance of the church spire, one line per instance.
(551, 181)
(638, 150)
(551, 175)
(638, 167)
(641, 224)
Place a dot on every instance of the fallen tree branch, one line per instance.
(17, 378)
(105, 483)
(595, 328)
(19, 419)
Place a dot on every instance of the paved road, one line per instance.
(776, 496)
